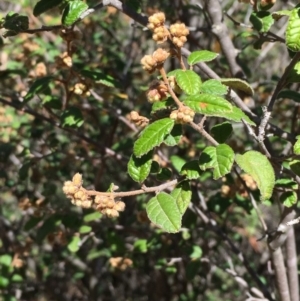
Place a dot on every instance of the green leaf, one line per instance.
(191, 170)
(4, 281)
(72, 117)
(85, 229)
(213, 86)
(139, 168)
(17, 278)
(5, 260)
(140, 246)
(296, 147)
(153, 135)
(280, 13)
(40, 85)
(220, 158)
(260, 169)
(163, 211)
(237, 115)
(183, 195)
(292, 33)
(196, 253)
(222, 131)
(73, 11)
(208, 104)
(14, 22)
(92, 216)
(100, 78)
(45, 5)
(286, 183)
(294, 74)
(289, 198)
(174, 137)
(164, 174)
(239, 84)
(262, 20)
(295, 96)
(201, 56)
(295, 166)
(52, 102)
(189, 81)
(162, 105)
(177, 162)
(74, 244)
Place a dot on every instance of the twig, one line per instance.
(292, 264)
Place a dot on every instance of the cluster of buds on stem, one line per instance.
(107, 205)
(183, 115)
(154, 61)
(78, 195)
(179, 32)
(103, 202)
(64, 61)
(158, 91)
(157, 25)
(138, 119)
(81, 88)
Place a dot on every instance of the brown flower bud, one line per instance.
(160, 56)
(77, 179)
(157, 19)
(119, 206)
(134, 115)
(160, 34)
(111, 212)
(149, 63)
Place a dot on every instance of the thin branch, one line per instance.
(292, 264)
(220, 29)
(280, 272)
(135, 192)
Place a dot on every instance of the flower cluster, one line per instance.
(179, 32)
(81, 89)
(120, 263)
(183, 115)
(64, 61)
(158, 91)
(154, 61)
(157, 25)
(135, 117)
(103, 202)
(108, 206)
(78, 195)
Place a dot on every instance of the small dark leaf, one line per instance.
(45, 5)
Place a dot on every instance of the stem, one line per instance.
(281, 279)
(134, 192)
(292, 264)
(170, 90)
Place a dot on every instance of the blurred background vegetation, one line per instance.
(52, 250)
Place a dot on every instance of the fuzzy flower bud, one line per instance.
(119, 206)
(157, 92)
(160, 56)
(149, 63)
(183, 115)
(156, 20)
(160, 34)
(77, 180)
(179, 32)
